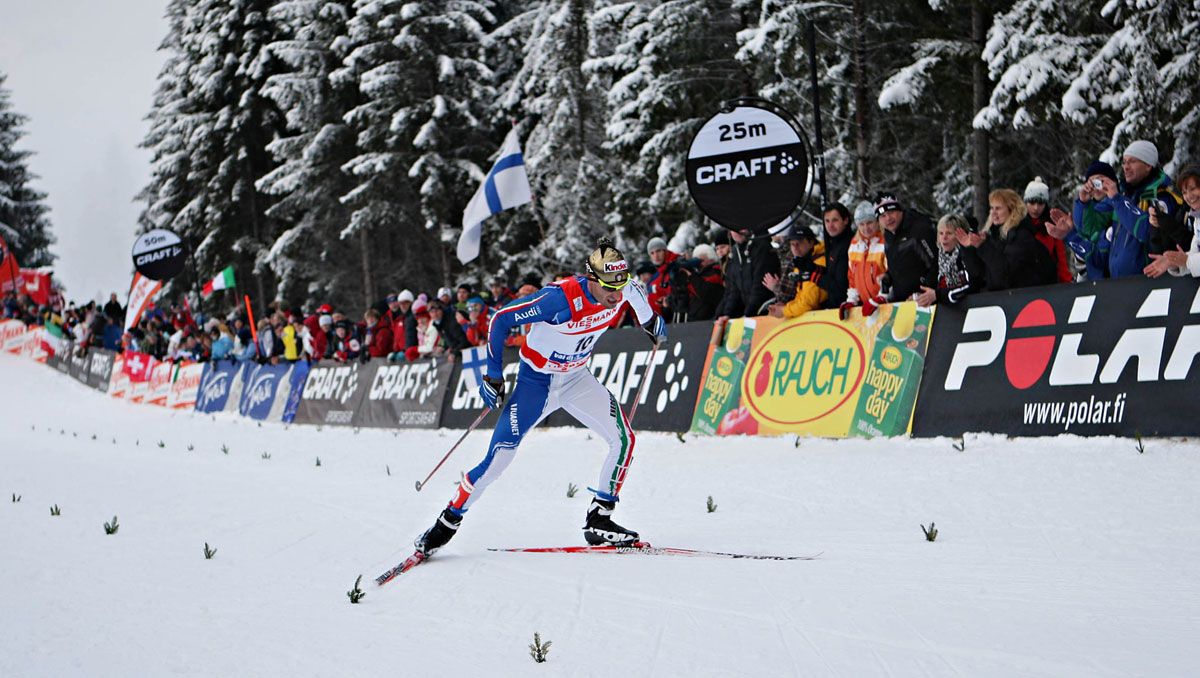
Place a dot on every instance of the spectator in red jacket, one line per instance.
(501, 295)
(659, 289)
(379, 334)
(477, 323)
(1037, 195)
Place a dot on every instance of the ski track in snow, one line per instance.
(1055, 557)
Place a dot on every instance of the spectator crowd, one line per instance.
(1135, 221)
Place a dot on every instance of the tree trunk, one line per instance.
(862, 179)
(368, 284)
(980, 140)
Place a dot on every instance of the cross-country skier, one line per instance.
(567, 318)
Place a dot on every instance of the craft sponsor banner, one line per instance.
(99, 371)
(331, 393)
(159, 254)
(405, 395)
(216, 382)
(1111, 357)
(748, 166)
(621, 361)
(261, 384)
(185, 386)
(817, 375)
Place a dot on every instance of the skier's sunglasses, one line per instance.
(618, 286)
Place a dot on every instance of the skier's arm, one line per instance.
(548, 304)
(651, 322)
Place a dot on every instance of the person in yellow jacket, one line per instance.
(867, 260)
(797, 289)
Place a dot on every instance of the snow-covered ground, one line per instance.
(1065, 557)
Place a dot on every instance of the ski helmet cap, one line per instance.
(608, 266)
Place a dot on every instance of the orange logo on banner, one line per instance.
(821, 362)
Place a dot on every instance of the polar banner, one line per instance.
(1111, 357)
(331, 394)
(622, 362)
(816, 375)
(749, 166)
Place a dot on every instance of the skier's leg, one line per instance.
(523, 410)
(595, 407)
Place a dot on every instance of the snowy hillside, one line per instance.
(1064, 557)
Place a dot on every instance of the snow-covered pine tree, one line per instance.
(210, 128)
(1034, 53)
(671, 65)
(312, 262)
(563, 144)
(23, 214)
(774, 49)
(1144, 74)
(419, 128)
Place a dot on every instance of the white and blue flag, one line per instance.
(505, 187)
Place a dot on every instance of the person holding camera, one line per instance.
(1106, 229)
(1149, 187)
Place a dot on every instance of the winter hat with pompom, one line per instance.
(1037, 191)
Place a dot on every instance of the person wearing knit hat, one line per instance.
(1037, 199)
(1149, 187)
(1179, 262)
(654, 245)
(1037, 192)
(863, 212)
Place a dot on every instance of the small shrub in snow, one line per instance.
(224, 449)
(190, 447)
(111, 528)
(1141, 448)
(208, 552)
(711, 505)
(55, 511)
(931, 533)
(961, 444)
(16, 497)
(538, 650)
(679, 437)
(572, 488)
(356, 594)
(161, 444)
(318, 461)
(266, 455)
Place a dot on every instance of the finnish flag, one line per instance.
(505, 187)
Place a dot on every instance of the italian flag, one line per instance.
(223, 281)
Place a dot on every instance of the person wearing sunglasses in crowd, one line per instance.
(567, 318)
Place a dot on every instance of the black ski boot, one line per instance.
(436, 537)
(600, 530)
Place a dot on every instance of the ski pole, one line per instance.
(642, 386)
(478, 420)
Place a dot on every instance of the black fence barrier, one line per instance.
(1112, 357)
(621, 361)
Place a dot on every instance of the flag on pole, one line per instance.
(223, 281)
(505, 187)
(10, 271)
(141, 292)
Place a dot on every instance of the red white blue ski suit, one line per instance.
(566, 322)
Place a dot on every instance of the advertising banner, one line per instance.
(296, 380)
(748, 166)
(159, 254)
(159, 385)
(816, 375)
(185, 386)
(77, 365)
(405, 395)
(118, 385)
(12, 335)
(1111, 357)
(261, 384)
(100, 369)
(331, 393)
(621, 361)
(215, 384)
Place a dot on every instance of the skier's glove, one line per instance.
(656, 328)
(492, 392)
